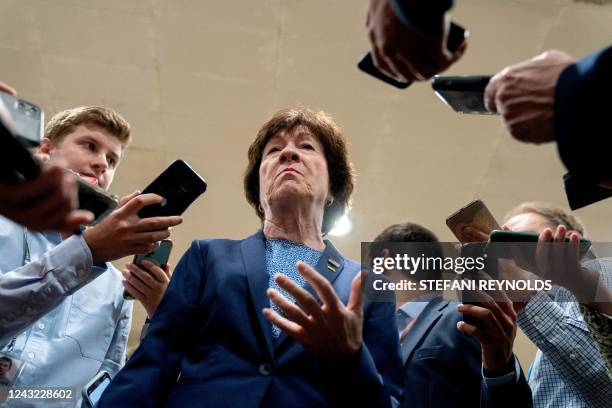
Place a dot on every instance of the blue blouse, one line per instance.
(281, 257)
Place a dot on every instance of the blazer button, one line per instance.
(265, 369)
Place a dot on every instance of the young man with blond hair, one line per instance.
(63, 310)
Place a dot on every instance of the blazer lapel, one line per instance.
(424, 321)
(254, 261)
(330, 265)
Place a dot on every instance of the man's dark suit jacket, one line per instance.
(209, 345)
(443, 366)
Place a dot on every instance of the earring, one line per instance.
(260, 208)
(329, 203)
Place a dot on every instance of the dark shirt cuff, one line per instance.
(423, 15)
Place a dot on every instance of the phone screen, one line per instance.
(462, 94)
(96, 393)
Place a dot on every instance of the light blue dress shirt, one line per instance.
(67, 317)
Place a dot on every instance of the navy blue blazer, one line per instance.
(582, 124)
(209, 345)
(443, 366)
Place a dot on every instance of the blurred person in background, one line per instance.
(442, 366)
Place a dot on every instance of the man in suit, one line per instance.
(443, 367)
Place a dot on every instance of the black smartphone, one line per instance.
(17, 163)
(464, 94)
(26, 119)
(179, 185)
(96, 200)
(581, 193)
(159, 257)
(92, 392)
(456, 36)
(503, 241)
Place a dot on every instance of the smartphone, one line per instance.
(525, 242)
(464, 94)
(92, 392)
(159, 257)
(456, 36)
(179, 185)
(96, 200)
(475, 215)
(26, 119)
(581, 193)
(17, 164)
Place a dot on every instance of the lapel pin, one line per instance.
(332, 265)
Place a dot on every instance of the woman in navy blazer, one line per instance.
(239, 326)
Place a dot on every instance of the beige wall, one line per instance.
(197, 78)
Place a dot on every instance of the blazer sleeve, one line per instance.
(582, 124)
(373, 376)
(424, 15)
(153, 369)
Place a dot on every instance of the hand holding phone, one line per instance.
(470, 219)
(124, 233)
(147, 277)
(424, 46)
(464, 94)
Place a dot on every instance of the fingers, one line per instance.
(542, 255)
(484, 314)
(459, 53)
(290, 310)
(291, 328)
(137, 203)
(7, 89)
(490, 95)
(142, 238)
(301, 295)
(155, 272)
(75, 219)
(139, 279)
(157, 223)
(355, 302)
(323, 288)
(471, 330)
(470, 234)
(123, 200)
(136, 294)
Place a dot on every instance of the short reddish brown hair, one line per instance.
(331, 137)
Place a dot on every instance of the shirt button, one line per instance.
(536, 318)
(31, 355)
(265, 369)
(41, 326)
(572, 355)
